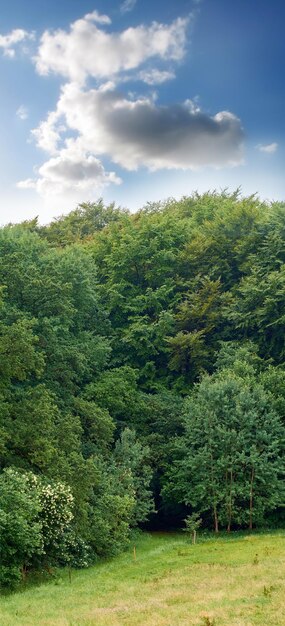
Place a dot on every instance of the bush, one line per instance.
(34, 519)
(21, 536)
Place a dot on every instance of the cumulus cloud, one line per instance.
(97, 18)
(269, 148)
(155, 77)
(12, 39)
(133, 131)
(48, 134)
(71, 171)
(128, 5)
(87, 50)
(139, 132)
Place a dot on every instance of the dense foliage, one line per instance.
(142, 368)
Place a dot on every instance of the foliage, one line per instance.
(110, 510)
(141, 368)
(230, 461)
(34, 517)
(192, 523)
(131, 456)
(20, 529)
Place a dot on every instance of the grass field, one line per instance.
(222, 581)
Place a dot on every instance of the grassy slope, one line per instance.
(235, 581)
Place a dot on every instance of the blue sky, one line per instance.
(138, 101)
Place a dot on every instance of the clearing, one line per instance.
(236, 580)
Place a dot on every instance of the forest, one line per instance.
(142, 376)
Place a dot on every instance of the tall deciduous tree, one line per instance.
(230, 461)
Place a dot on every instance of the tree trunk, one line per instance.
(216, 521)
(230, 505)
(24, 573)
(251, 498)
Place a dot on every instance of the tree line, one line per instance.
(141, 375)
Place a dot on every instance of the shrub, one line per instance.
(34, 519)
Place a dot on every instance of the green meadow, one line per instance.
(235, 580)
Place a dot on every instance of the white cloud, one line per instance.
(138, 132)
(16, 36)
(71, 171)
(22, 112)
(132, 131)
(48, 134)
(87, 50)
(128, 5)
(269, 148)
(155, 77)
(97, 17)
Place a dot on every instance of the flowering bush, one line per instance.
(74, 551)
(34, 519)
(55, 514)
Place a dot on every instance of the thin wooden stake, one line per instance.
(135, 554)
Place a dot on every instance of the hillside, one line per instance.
(237, 581)
(142, 376)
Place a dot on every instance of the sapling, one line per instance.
(192, 523)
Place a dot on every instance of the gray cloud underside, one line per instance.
(140, 133)
(71, 171)
(174, 136)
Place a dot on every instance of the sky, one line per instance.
(136, 101)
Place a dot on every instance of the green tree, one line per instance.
(230, 461)
(111, 505)
(132, 456)
(20, 528)
(81, 223)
